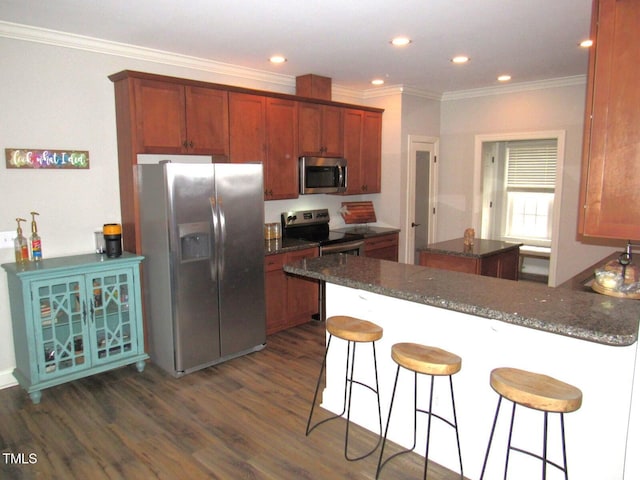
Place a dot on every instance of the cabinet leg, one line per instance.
(36, 396)
(140, 365)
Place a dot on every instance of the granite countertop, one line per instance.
(480, 248)
(582, 315)
(284, 245)
(368, 231)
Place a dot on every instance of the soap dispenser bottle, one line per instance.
(35, 241)
(20, 244)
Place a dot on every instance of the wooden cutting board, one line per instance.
(358, 212)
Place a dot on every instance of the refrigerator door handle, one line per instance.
(222, 239)
(213, 259)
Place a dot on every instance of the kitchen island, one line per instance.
(492, 258)
(582, 338)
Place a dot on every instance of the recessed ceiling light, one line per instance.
(586, 43)
(277, 59)
(460, 59)
(400, 41)
(377, 81)
(504, 78)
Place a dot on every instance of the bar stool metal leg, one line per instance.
(506, 463)
(348, 389)
(430, 414)
(537, 392)
(381, 464)
(375, 390)
(455, 421)
(493, 429)
(315, 395)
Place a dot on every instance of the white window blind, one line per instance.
(531, 164)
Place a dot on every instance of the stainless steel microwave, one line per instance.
(322, 175)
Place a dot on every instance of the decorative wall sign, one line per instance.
(32, 158)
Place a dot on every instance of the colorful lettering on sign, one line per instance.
(24, 158)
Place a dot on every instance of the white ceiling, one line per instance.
(347, 40)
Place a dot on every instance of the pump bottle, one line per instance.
(35, 241)
(20, 244)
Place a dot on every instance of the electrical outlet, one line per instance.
(6, 239)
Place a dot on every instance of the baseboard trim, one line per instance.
(7, 379)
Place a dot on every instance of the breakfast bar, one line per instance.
(582, 338)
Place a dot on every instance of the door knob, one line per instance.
(415, 224)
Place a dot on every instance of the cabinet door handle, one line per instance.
(191, 144)
(84, 312)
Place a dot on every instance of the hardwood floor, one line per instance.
(242, 419)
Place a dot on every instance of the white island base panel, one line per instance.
(596, 434)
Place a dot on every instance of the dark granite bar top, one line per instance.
(368, 231)
(582, 315)
(284, 245)
(480, 248)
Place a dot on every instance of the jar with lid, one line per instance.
(113, 239)
(272, 231)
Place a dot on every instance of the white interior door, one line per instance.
(420, 223)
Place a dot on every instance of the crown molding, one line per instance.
(90, 44)
(516, 87)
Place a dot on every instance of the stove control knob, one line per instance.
(291, 218)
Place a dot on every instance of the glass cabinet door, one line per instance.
(114, 334)
(60, 312)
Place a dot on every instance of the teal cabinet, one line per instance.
(73, 317)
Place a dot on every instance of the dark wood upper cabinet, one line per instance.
(362, 143)
(177, 119)
(160, 117)
(320, 130)
(371, 161)
(353, 120)
(207, 121)
(247, 128)
(610, 193)
(265, 129)
(281, 170)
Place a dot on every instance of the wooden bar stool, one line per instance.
(354, 331)
(538, 392)
(432, 361)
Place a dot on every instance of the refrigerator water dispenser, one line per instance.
(195, 241)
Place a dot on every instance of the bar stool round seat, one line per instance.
(536, 391)
(354, 331)
(539, 392)
(424, 360)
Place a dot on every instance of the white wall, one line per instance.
(557, 108)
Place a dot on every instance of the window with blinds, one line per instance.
(530, 179)
(531, 164)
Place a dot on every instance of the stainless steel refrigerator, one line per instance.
(202, 238)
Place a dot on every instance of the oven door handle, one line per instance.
(341, 247)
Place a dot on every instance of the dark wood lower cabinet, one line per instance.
(487, 257)
(383, 247)
(290, 300)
